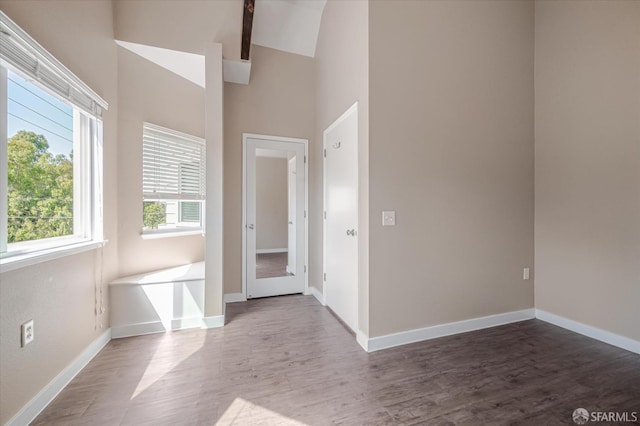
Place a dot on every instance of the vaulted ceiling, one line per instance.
(173, 34)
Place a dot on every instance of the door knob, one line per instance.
(250, 226)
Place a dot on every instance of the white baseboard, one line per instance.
(362, 340)
(140, 329)
(213, 322)
(441, 330)
(318, 295)
(275, 250)
(158, 327)
(234, 297)
(186, 323)
(39, 402)
(590, 331)
(130, 330)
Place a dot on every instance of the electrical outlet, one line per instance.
(389, 218)
(27, 333)
(525, 274)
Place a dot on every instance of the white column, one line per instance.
(214, 286)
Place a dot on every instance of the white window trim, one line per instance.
(89, 234)
(148, 234)
(4, 190)
(170, 233)
(32, 258)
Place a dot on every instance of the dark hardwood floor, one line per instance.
(287, 360)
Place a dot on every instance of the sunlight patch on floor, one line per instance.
(161, 363)
(243, 412)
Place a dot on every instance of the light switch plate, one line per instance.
(389, 218)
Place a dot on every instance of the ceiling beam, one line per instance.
(247, 25)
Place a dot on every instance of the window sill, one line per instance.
(168, 234)
(12, 263)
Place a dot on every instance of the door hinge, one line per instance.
(325, 214)
(325, 153)
(305, 213)
(324, 276)
(305, 159)
(305, 269)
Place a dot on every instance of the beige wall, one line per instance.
(587, 216)
(150, 93)
(449, 146)
(451, 151)
(272, 203)
(341, 70)
(60, 295)
(186, 25)
(279, 101)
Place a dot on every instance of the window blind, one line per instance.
(190, 211)
(173, 165)
(21, 52)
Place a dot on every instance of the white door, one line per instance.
(341, 217)
(273, 265)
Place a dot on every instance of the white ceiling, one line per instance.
(288, 25)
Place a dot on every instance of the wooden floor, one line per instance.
(287, 360)
(269, 265)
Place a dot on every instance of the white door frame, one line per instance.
(339, 120)
(268, 138)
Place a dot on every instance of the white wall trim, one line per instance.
(234, 297)
(213, 322)
(11, 263)
(590, 331)
(152, 327)
(441, 330)
(362, 340)
(185, 323)
(140, 329)
(39, 402)
(318, 295)
(147, 235)
(275, 250)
